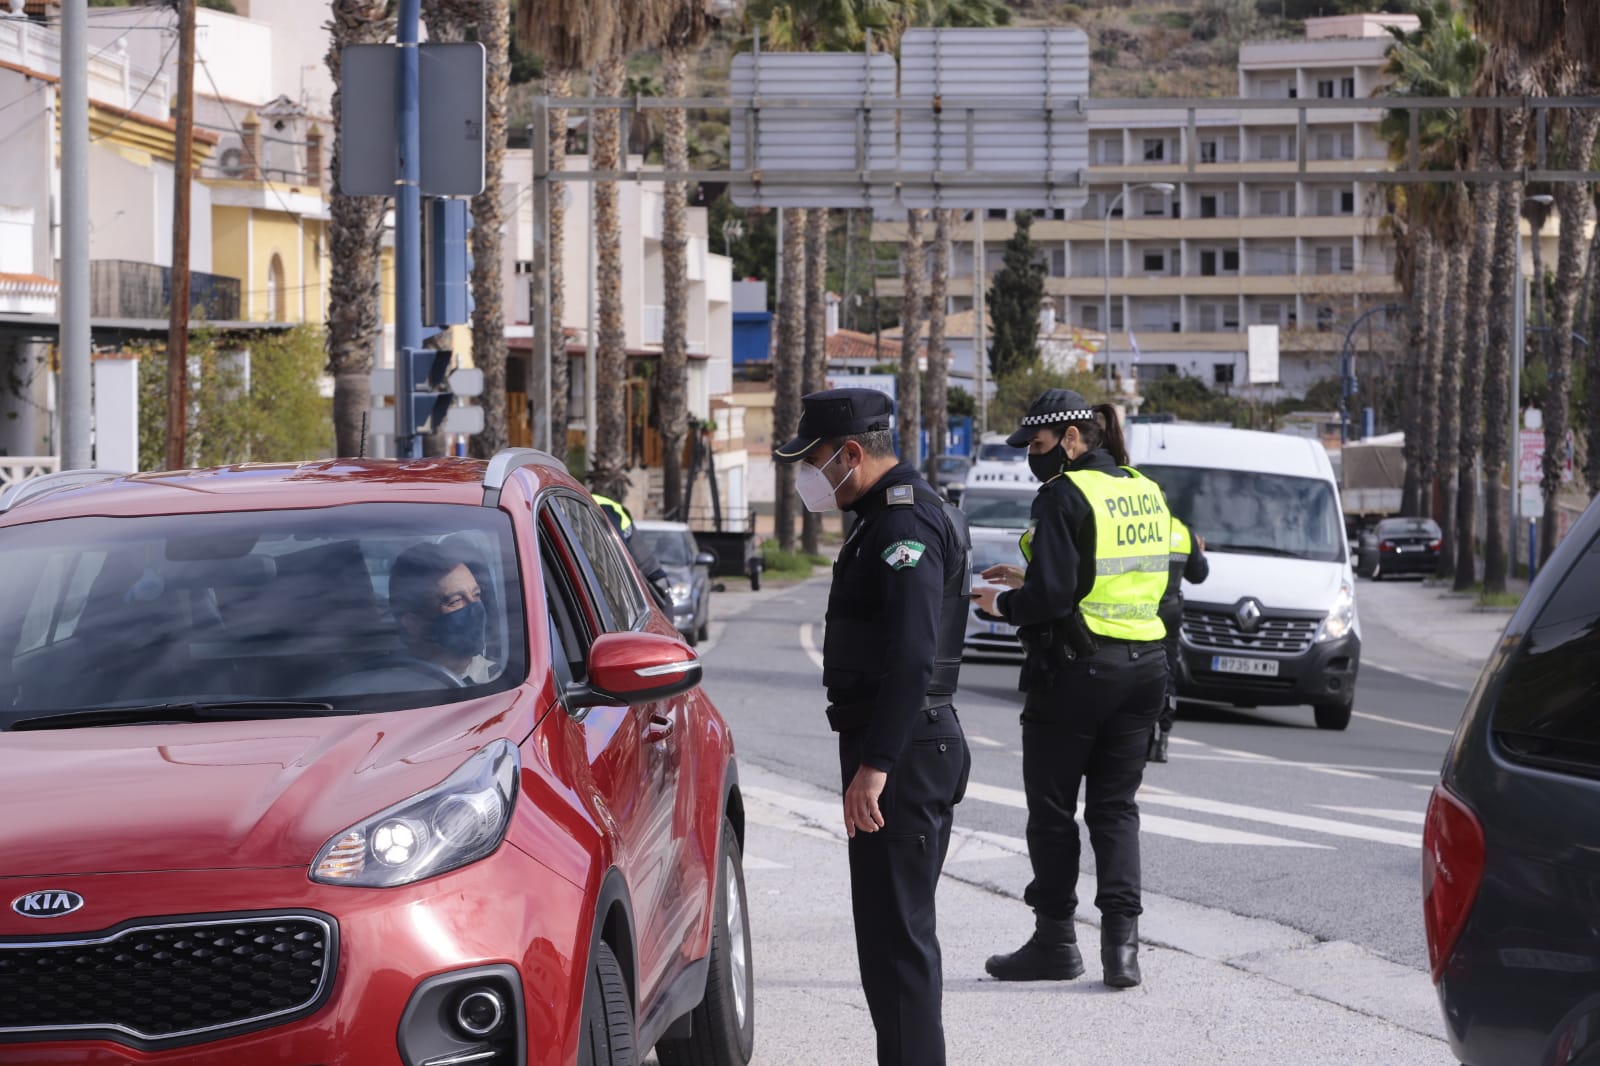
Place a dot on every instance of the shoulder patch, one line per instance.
(903, 554)
(902, 496)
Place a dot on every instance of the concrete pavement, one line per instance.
(1426, 631)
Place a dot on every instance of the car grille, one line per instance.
(1217, 629)
(169, 980)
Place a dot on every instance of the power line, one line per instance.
(276, 195)
(134, 106)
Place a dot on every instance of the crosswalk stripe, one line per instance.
(1333, 771)
(1386, 813)
(1406, 725)
(983, 742)
(809, 645)
(1287, 820)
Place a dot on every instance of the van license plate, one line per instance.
(1227, 664)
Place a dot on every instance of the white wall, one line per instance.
(116, 414)
(27, 132)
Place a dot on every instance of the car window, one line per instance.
(1548, 711)
(1408, 527)
(569, 635)
(1005, 510)
(987, 552)
(597, 542)
(1244, 511)
(1001, 453)
(671, 547)
(345, 605)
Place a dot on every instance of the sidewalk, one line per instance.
(1428, 631)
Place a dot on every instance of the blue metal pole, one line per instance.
(407, 221)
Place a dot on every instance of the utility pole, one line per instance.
(407, 221)
(74, 280)
(178, 310)
(980, 346)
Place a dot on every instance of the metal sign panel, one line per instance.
(452, 118)
(1262, 356)
(1035, 155)
(843, 138)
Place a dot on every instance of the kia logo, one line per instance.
(1248, 614)
(51, 903)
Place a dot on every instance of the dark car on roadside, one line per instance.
(1399, 546)
(1511, 844)
(689, 570)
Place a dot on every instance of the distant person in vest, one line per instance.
(1095, 676)
(1188, 563)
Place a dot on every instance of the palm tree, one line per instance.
(1449, 447)
(814, 366)
(1485, 208)
(691, 24)
(557, 84)
(936, 380)
(488, 222)
(787, 361)
(908, 418)
(355, 247)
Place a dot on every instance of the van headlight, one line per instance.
(457, 822)
(1342, 618)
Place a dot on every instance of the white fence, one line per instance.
(15, 468)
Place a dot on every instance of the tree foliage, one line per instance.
(1015, 298)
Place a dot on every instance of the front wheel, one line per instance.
(607, 1038)
(1334, 716)
(723, 1026)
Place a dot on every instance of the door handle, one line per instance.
(659, 729)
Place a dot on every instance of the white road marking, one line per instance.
(983, 742)
(809, 645)
(1386, 813)
(1406, 725)
(1154, 823)
(1241, 754)
(1185, 742)
(1286, 819)
(1334, 771)
(1295, 764)
(1413, 676)
(714, 631)
(753, 863)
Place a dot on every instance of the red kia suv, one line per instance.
(356, 762)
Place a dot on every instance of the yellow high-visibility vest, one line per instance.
(1133, 547)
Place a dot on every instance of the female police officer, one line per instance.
(1095, 676)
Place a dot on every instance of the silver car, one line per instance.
(989, 637)
(689, 570)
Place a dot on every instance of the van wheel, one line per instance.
(723, 1027)
(607, 1037)
(1335, 716)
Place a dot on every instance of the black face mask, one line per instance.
(461, 632)
(1046, 465)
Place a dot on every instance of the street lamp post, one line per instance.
(1164, 187)
(1347, 377)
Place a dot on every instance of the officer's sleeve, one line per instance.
(1197, 568)
(912, 554)
(1049, 589)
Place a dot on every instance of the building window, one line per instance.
(1230, 316)
(1208, 151)
(1116, 315)
(1325, 89)
(995, 213)
(1208, 206)
(1155, 203)
(1347, 260)
(1111, 151)
(1324, 260)
(1347, 88)
(1324, 319)
(1272, 146)
(1270, 314)
(1208, 318)
(1155, 262)
(1347, 144)
(1230, 261)
(1058, 263)
(1272, 202)
(1155, 149)
(1347, 202)
(1222, 373)
(1208, 264)
(275, 290)
(1089, 316)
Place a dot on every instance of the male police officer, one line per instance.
(896, 619)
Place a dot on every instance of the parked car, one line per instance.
(1275, 623)
(989, 636)
(948, 474)
(1399, 546)
(388, 761)
(689, 569)
(1511, 844)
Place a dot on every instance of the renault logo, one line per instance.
(51, 903)
(1248, 615)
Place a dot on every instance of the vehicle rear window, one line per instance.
(260, 606)
(1007, 510)
(1408, 527)
(1252, 513)
(1548, 711)
(670, 547)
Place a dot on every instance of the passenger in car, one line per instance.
(438, 608)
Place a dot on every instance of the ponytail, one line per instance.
(1104, 431)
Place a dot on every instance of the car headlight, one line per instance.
(457, 822)
(1342, 617)
(680, 594)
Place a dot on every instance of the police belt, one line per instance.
(846, 716)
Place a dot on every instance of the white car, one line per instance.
(989, 637)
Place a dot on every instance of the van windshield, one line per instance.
(1253, 513)
(1002, 510)
(1000, 452)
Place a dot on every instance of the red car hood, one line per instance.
(230, 795)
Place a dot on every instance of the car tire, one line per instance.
(723, 1026)
(692, 638)
(607, 1037)
(1334, 716)
(704, 632)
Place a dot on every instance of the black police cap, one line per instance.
(835, 413)
(1053, 408)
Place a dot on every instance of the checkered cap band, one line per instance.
(1057, 416)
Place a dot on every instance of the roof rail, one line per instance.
(509, 460)
(64, 479)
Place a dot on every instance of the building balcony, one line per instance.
(120, 289)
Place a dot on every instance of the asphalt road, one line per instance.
(1259, 813)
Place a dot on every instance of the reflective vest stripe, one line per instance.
(1131, 519)
(1141, 564)
(1120, 611)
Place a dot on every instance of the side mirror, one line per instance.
(637, 668)
(705, 559)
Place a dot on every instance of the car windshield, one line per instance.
(950, 464)
(1254, 513)
(1008, 510)
(1000, 452)
(670, 546)
(992, 551)
(264, 607)
(1408, 527)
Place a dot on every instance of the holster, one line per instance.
(1050, 647)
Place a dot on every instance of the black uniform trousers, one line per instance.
(893, 875)
(1090, 727)
(1172, 618)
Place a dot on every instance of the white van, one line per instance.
(1275, 623)
(1000, 487)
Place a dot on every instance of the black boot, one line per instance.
(1051, 954)
(1157, 752)
(1119, 950)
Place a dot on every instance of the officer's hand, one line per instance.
(987, 598)
(861, 801)
(1006, 574)
(1198, 539)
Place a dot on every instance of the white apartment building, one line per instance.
(1191, 270)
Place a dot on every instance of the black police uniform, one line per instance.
(891, 657)
(1193, 568)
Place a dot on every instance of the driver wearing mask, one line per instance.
(438, 609)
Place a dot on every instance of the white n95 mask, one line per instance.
(815, 490)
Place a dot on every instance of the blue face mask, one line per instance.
(461, 632)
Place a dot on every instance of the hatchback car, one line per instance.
(1511, 844)
(989, 636)
(356, 762)
(689, 570)
(1399, 546)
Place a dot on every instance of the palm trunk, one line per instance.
(1454, 299)
(1496, 377)
(936, 382)
(1486, 200)
(608, 438)
(908, 417)
(355, 248)
(1415, 372)
(1432, 265)
(1574, 202)
(488, 220)
(672, 414)
(787, 362)
(814, 368)
(558, 84)
(1591, 466)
